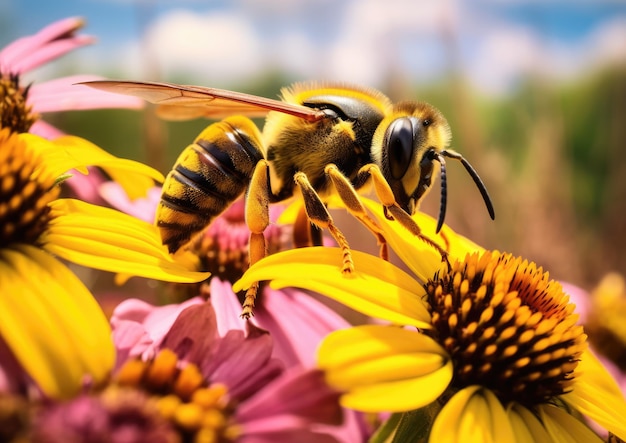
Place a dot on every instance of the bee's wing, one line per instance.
(180, 102)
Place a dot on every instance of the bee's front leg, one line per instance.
(388, 200)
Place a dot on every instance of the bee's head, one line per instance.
(405, 147)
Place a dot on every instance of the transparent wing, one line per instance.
(181, 102)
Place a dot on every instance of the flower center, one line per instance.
(507, 327)
(199, 411)
(24, 192)
(14, 112)
(223, 248)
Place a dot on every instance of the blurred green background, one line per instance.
(549, 142)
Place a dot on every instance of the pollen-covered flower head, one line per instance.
(506, 326)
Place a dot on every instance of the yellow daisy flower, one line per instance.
(490, 349)
(48, 318)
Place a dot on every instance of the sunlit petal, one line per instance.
(384, 367)
(473, 414)
(135, 177)
(376, 287)
(563, 427)
(106, 239)
(526, 425)
(593, 383)
(421, 258)
(51, 322)
(63, 94)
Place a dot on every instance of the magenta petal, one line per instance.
(86, 186)
(227, 306)
(64, 94)
(13, 378)
(278, 430)
(50, 51)
(131, 340)
(244, 364)
(298, 392)
(131, 309)
(580, 298)
(194, 333)
(159, 321)
(284, 311)
(45, 130)
(142, 208)
(24, 47)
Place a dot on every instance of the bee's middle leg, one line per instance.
(351, 199)
(318, 215)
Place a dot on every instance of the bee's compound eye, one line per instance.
(399, 143)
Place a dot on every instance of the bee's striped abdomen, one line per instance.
(208, 176)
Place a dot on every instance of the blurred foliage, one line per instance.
(551, 155)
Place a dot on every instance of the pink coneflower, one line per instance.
(200, 386)
(27, 53)
(22, 104)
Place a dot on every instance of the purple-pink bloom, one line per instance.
(62, 94)
(273, 404)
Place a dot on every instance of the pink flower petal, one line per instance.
(160, 320)
(64, 94)
(282, 430)
(45, 130)
(193, 335)
(141, 208)
(19, 50)
(155, 320)
(288, 310)
(227, 306)
(86, 186)
(131, 340)
(580, 298)
(244, 364)
(132, 309)
(13, 378)
(50, 51)
(298, 392)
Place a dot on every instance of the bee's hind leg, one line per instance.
(257, 219)
(319, 215)
(351, 199)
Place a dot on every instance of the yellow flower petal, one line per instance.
(526, 426)
(564, 427)
(596, 394)
(384, 368)
(421, 258)
(376, 287)
(70, 152)
(109, 240)
(51, 322)
(473, 414)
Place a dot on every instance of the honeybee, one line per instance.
(319, 140)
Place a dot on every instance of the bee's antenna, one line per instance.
(472, 172)
(434, 155)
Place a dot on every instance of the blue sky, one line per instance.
(493, 42)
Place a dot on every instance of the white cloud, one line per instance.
(213, 46)
(360, 42)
